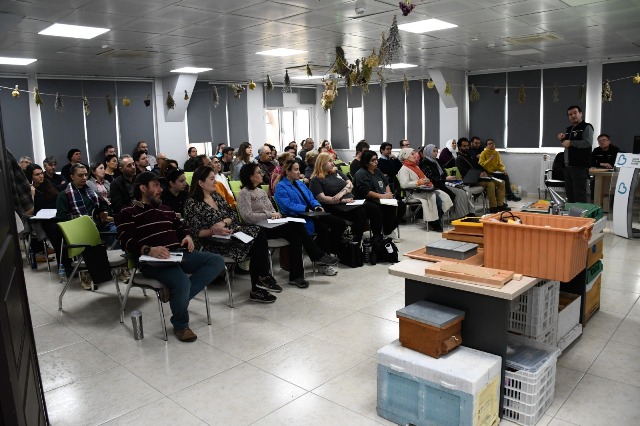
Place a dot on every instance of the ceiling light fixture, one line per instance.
(400, 66)
(426, 26)
(191, 70)
(16, 61)
(73, 31)
(281, 51)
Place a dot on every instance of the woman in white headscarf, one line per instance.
(439, 178)
(447, 158)
(434, 202)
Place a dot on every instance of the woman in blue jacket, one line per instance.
(293, 197)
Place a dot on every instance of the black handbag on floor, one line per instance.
(350, 254)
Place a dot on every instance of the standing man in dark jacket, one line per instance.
(577, 141)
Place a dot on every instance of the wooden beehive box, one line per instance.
(429, 328)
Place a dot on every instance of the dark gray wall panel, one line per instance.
(238, 119)
(65, 130)
(272, 99)
(101, 126)
(621, 116)
(524, 119)
(414, 113)
(486, 116)
(219, 119)
(136, 120)
(394, 94)
(554, 119)
(432, 117)
(354, 98)
(307, 96)
(373, 115)
(339, 121)
(198, 114)
(16, 121)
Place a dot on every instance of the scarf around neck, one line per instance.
(429, 156)
(77, 207)
(414, 168)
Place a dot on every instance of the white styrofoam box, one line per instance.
(568, 338)
(569, 317)
(464, 369)
(599, 225)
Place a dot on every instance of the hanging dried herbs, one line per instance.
(372, 60)
(251, 85)
(287, 83)
(556, 93)
(406, 7)
(430, 84)
(171, 104)
(109, 106)
(383, 81)
(474, 96)
(186, 96)
(147, 101)
(522, 95)
(636, 79)
(607, 94)
(269, 83)
(582, 92)
(215, 98)
(328, 95)
(16, 92)
(394, 43)
(309, 73)
(447, 89)
(237, 90)
(36, 97)
(126, 101)
(405, 84)
(85, 105)
(58, 105)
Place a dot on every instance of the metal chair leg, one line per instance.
(206, 303)
(66, 285)
(228, 274)
(164, 326)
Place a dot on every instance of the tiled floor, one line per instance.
(307, 359)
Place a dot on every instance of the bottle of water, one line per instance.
(62, 274)
(32, 258)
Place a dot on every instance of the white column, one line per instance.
(37, 135)
(593, 107)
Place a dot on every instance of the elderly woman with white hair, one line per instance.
(434, 202)
(437, 175)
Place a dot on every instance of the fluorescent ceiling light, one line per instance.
(282, 51)
(521, 52)
(426, 25)
(73, 31)
(304, 77)
(16, 61)
(191, 70)
(400, 66)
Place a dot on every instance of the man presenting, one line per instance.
(577, 141)
(152, 229)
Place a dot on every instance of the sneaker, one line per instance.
(513, 197)
(328, 270)
(504, 208)
(185, 335)
(262, 296)
(269, 283)
(328, 259)
(393, 238)
(85, 281)
(299, 282)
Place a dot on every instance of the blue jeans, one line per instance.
(203, 266)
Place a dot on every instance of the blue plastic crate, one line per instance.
(460, 388)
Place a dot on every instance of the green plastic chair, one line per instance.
(451, 170)
(79, 234)
(188, 177)
(344, 168)
(235, 188)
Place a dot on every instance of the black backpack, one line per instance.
(379, 253)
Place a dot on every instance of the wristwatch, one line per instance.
(146, 250)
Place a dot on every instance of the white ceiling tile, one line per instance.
(146, 25)
(122, 7)
(91, 19)
(222, 6)
(270, 10)
(182, 14)
(529, 7)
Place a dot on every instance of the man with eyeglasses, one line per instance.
(404, 143)
(162, 157)
(227, 160)
(604, 156)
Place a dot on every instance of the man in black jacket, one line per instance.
(604, 156)
(577, 141)
(121, 191)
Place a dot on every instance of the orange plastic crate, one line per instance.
(543, 246)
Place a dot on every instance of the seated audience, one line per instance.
(176, 192)
(75, 157)
(142, 147)
(604, 156)
(77, 200)
(109, 150)
(25, 161)
(161, 158)
(410, 177)
(334, 191)
(216, 165)
(310, 161)
(243, 156)
(361, 147)
(447, 158)
(209, 216)
(98, 183)
(227, 160)
(307, 145)
(371, 184)
(254, 206)
(152, 229)
(265, 161)
(436, 174)
(220, 149)
(278, 172)
(490, 160)
(494, 188)
(57, 180)
(141, 161)
(190, 164)
(111, 169)
(121, 192)
(475, 147)
(293, 198)
(326, 144)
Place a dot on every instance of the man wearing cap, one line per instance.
(150, 228)
(75, 157)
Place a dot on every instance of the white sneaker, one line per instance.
(393, 238)
(328, 270)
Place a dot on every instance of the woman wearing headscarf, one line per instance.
(447, 158)
(410, 177)
(434, 172)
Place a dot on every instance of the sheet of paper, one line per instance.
(242, 237)
(174, 258)
(296, 219)
(281, 220)
(356, 203)
(45, 214)
(389, 201)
